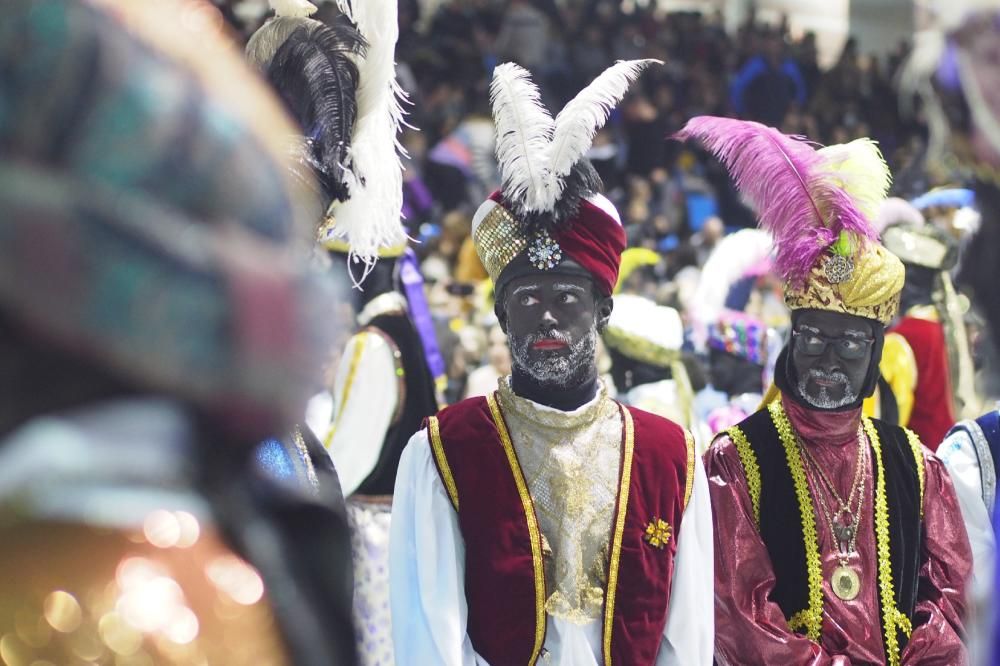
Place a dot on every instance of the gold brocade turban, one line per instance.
(818, 206)
(872, 290)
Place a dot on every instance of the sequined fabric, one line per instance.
(369, 522)
(498, 240)
(750, 629)
(571, 462)
(287, 461)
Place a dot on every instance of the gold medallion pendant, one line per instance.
(845, 582)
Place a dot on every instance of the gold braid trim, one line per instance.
(798, 621)
(437, 446)
(890, 614)
(689, 481)
(918, 456)
(616, 543)
(300, 445)
(534, 534)
(352, 371)
(812, 617)
(903, 623)
(750, 468)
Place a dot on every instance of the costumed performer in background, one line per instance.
(339, 81)
(844, 530)
(644, 342)
(954, 68)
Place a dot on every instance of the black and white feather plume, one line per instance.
(543, 171)
(315, 74)
(370, 218)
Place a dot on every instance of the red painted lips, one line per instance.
(549, 345)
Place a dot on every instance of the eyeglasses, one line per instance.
(812, 343)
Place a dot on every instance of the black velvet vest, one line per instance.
(418, 398)
(781, 522)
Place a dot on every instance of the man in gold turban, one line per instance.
(842, 539)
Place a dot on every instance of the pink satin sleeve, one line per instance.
(749, 629)
(941, 607)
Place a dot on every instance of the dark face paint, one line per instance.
(551, 322)
(835, 376)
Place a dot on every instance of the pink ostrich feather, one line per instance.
(785, 180)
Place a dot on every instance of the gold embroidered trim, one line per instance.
(616, 543)
(812, 617)
(750, 468)
(918, 457)
(300, 445)
(798, 620)
(890, 614)
(391, 302)
(903, 623)
(534, 534)
(352, 371)
(437, 446)
(689, 481)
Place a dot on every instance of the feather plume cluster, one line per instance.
(804, 197)
(370, 218)
(544, 175)
(315, 74)
(293, 8)
(860, 170)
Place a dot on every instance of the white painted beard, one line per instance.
(556, 370)
(823, 400)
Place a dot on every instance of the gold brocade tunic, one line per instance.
(571, 464)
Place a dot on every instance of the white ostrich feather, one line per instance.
(524, 132)
(370, 218)
(293, 8)
(585, 114)
(732, 257)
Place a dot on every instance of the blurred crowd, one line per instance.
(674, 199)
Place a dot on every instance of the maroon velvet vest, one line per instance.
(504, 572)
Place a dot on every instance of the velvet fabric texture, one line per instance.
(500, 581)
(591, 238)
(933, 412)
(781, 523)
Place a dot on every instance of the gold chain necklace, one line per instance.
(819, 468)
(843, 532)
(845, 581)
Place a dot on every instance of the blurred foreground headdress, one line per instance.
(818, 206)
(548, 209)
(150, 222)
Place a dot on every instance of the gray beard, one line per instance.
(823, 400)
(557, 371)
